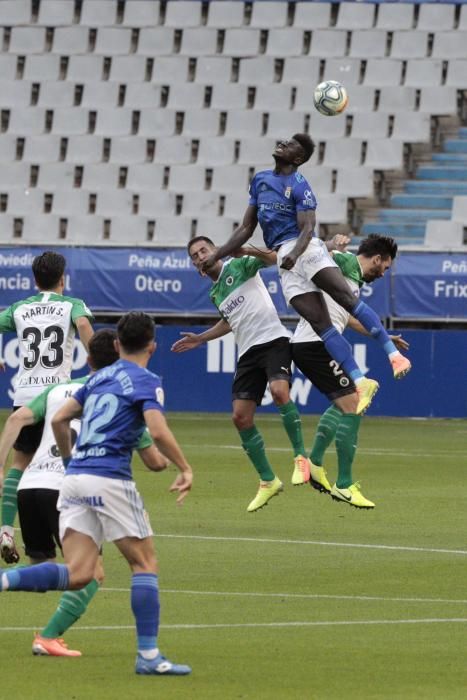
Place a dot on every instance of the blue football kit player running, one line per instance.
(98, 500)
(283, 203)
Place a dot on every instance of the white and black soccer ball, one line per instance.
(330, 98)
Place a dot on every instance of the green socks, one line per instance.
(9, 502)
(71, 606)
(253, 444)
(346, 444)
(293, 426)
(325, 433)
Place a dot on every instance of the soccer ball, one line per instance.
(330, 98)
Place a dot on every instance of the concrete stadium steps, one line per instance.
(437, 187)
(412, 232)
(455, 159)
(414, 214)
(456, 145)
(430, 172)
(421, 201)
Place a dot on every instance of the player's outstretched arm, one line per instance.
(190, 341)
(85, 330)
(18, 420)
(61, 426)
(153, 459)
(306, 221)
(269, 257)
(166, 442)
(240, 236)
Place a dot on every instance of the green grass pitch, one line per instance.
(307, 599)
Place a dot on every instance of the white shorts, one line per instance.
(298, 280)
(102, 508)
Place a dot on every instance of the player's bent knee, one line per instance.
(241, 421)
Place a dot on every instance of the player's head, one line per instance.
(199, 249)
(49, 270)
(295, 151)
(136, 334)
(101, 350)
(376, 254)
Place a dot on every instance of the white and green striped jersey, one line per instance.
(45, 326)
(244, 302)
(352, 271)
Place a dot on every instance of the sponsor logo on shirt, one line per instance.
(233, 304)
(288, 191)
(160, 395)
(308, 198)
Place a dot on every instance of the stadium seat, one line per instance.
(114, 203)
(168, 70)
(140, 13)
(412, 127)
(171, 231)
(383, 71)
(456, 73)
(216, 151)
(241, 42)
(84, 149)
(393, 17)
(70, 203)
(16, 176)
(15, 93)
(113, 41)
(23, 202)
(320, 179)
(54, 94)
(284, 124)
(156, 41)
(361, 99)
(129, 230)
(7, 148)
(139, 95)
(397, 99)
(173, 150)
(85, 69)
(441, 235)
(254, 151)
(273, 97)
(127, 69)
(26, 121)
(15, 12)
(449, 45)
(69, 121)
(201, 41)
(424, 73)
(313, 15)
(267, 14)
(145, 176)
(218, 229)
(187, 178)
(301, 69)
(343, 153)
(56, 176)
(355, 182)
(229, 96)
(406, 45)
(157, 202)
(27, 40)
(282, 43)
(323, 128)
(8, 66)
(202, 204)
(103, 94)
(203, 122)
(43, 228)
(384, 154)
(70, 40)
(224, 14)
(55, 13)
(355, 16)
(257, 71)
(230, 178)
(244, 122)
(183, 14)
(369, 43)
(332, 209)
(235, 205)
(128, 149)
(7, 224)
(36, 68)
(156, 122)
(435, 18)
(184, 96)
(98, 13)
(213, 69)
(438, 100)
(114, 122)
(459, 209)
(42, 149)
(100, 176)
(85, 229)
(328, 43)
(345, 70)
(374, 123)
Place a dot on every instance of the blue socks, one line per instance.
(145, 606)
(372, 323)
(38, 578)
(341, 351)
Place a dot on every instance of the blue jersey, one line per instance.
(277, 199)
(113, 401)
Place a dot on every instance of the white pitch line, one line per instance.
(427, 550)
(373, 452)
(310, 596)
(304, 623)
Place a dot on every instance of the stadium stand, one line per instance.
(115, 98)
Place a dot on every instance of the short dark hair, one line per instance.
(378, 245)
(102, 350)
(48, 268)
(196, 239)
(135, 330)
(307, 145)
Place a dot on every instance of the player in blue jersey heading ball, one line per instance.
(283, 203)
(98, 500)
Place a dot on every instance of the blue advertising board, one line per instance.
(200, 380)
